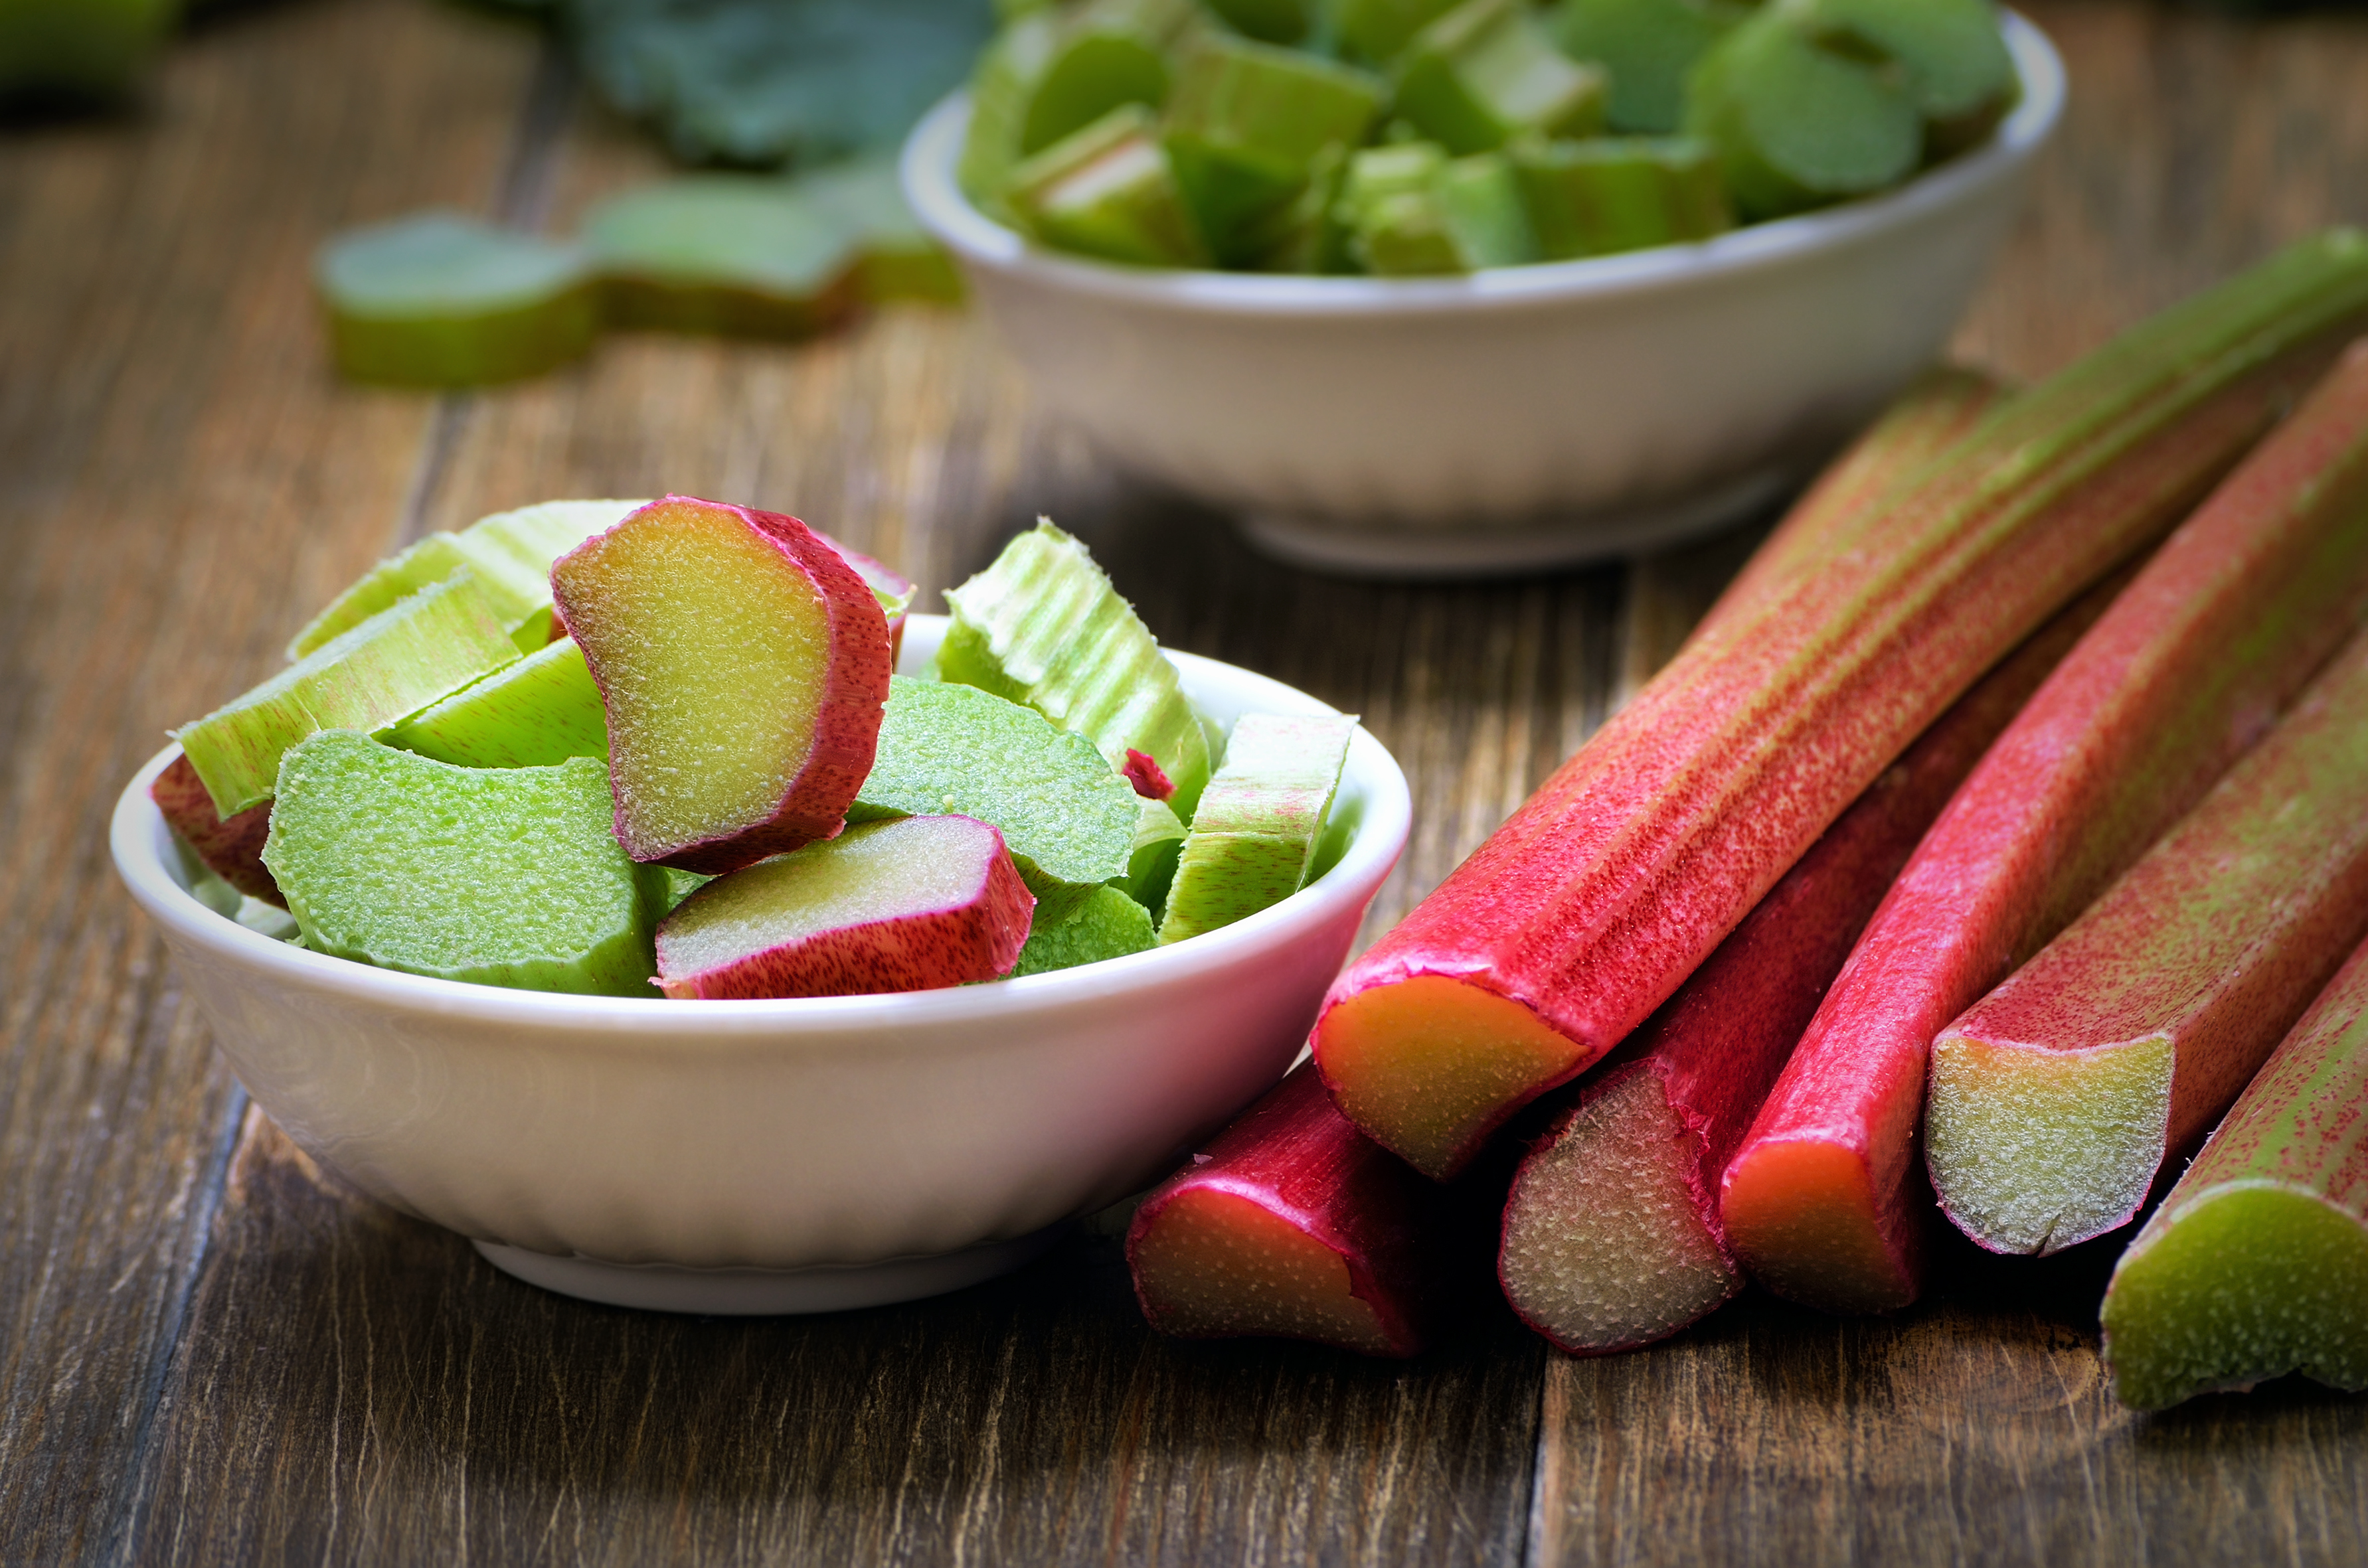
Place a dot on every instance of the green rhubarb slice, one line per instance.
(424, 647)
(1049, 74)
(497, 876)
(534, 713)
(1245, 127)
(1269, 21)
(1949, 55)
(1260, 821)
(737, 255)
(1797, 126)
(1375, 31)
(895, 258)
(947, 749)
(1616, 194)
(1151, 867)
(1647, 47)
(438, 300)
(1106, 923)
(1000, 88)
(1108, 191)
(1042, 626)
(1486, 71)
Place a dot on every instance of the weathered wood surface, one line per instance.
(209, 1351)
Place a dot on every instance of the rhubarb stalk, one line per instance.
(1589, 908)
(2256, 1264)
(1823, 1202)
(2055, 1100)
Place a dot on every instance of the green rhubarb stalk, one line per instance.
(1585, 911)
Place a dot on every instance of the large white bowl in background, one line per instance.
(775, 1156)
(1517, 417)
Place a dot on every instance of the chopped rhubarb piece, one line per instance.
(1646, 46)
(909, 905)
(1104, 924)
(1159, 836)
(1610, 194)
(737, 255)
(1256, 833)
(2220, 631)
(1796, 125)
(1611, 1234)
(1589, 908)
(2057, 1100)
(742, 665)
(230, 848)
(2256, 1262)
(1054, 72)
(1486, 72)
(439, 299)
(1296, 1225)
(1246, 127)
(540, 710)
(1110, 190)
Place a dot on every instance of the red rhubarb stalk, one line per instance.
(2256, 1262)
(1589, 908)
(2055, 1100)
(1611, 1235)
(1824, 1201)
(1294, 1224)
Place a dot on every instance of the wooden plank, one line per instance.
(177, 485)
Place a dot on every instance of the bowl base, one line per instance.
(767, 1292)
(1372, 551)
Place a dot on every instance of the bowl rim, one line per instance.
(137, 832)
(930, 152)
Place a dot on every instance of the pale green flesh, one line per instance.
(441, 300)
(1486, 71)
(1795, 126)
(397, 662)
(943, 748)
(1259, 821)
(898, 259)
(1042, 626)
(2240, 1283)
(539, 712)
(498, 877)
(1108, 191)
(1106, 925)
(1158, 840)
(723, 231)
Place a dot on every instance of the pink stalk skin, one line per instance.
(2219, 633)
(1719, 1043)
(232, 848)
(2221, 935)
(847, 717)
(1144, 772)
(924, 950)
(1295, 1155)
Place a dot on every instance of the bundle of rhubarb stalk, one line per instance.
(2000, 834)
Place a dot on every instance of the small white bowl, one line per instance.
(1518, 417)
(779, 1156)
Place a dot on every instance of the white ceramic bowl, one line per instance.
(1517, 417)
(775, 1156)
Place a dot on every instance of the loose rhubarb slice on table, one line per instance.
(895, 258)
(742, 665)
(232, 848)
(438, 300)
(395, 663)
(497, 876)
(2057, 1100)
(2256, 1262)
(909, 905)
(1824, 1201)
(1612, 1233)
(1255, 835)
(1486, 72)
(1589, 908)
(1105, 924)
(540, 710)
(1296, 1225)
(737, 254)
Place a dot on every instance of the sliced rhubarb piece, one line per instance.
(1612, 1231)
(1374, 31)
(1110, 191)
(910, 904)
(742, 256)
(1293, 1224)
(2057, 1100)
(438, 300)
(742, 665)
(1621, 193)
(494, 876)
(230, 848)
(1949, 55)
(1647, 47)
(895, 258)
(1485, 72)
(1269, 21)
(1796, 125)
(1050, 74)
(1151, 866)
(1042, 626)
(2256, 1264)
(1260, 821)
(1825, 1202)
(1586, 911)
(540, 710)
(1105, 924)
(397, 662)
(1245, 128)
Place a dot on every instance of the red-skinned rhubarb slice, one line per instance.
(1589, 908)
(909, 904)
(2256, 1261)
(1611, 1234)
(2057, 1100)
(742, 665)
(1824, 1201)
(230, 847)
(1295, 1225)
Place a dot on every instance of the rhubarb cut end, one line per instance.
(2248, 1282)
(1801, 1217)
(2033, 1150)
(1214, 1265)
(1430, 1065)
(1606, 1244)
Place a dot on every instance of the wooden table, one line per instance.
(211, 1351)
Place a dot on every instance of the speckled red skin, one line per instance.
(2227, 928)
(847, 718)
(1719, 1043)
(230, 847)
(878, 574)
(2219, 632)
(922, 949)
(1295, 1155)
